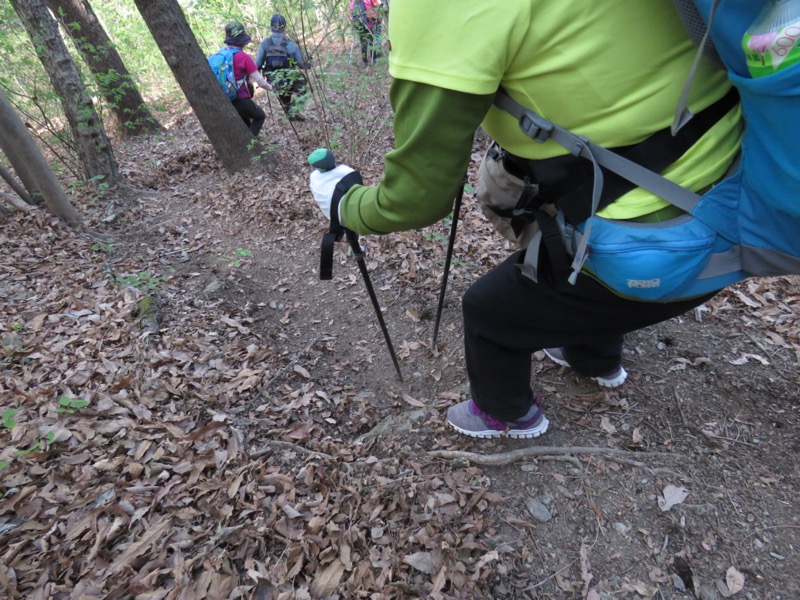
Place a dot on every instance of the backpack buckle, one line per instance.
(535, 127)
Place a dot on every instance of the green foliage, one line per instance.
(142, 280)
(434, 236)
(107, 246)
(9, 423)
(138, 50)
(70, 405)
(236, 262)
(8, 417)
(13, 346)
(339, 88)
(27, 85)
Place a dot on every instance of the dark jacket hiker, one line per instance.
(281, 62)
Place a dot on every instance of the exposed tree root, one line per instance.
(17, 203)
(506, 458)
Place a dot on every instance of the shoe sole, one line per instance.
(612, 382)
(519, 434)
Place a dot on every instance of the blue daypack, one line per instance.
(746, 225)
(221, 64)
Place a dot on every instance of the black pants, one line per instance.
(369, 38)
(290, 86)
(252, 114)
(507, 317)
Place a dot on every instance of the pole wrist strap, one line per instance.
(336, 230)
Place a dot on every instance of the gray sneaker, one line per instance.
(470, 420)
(610, 380)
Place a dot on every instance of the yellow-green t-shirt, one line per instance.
(611, 71)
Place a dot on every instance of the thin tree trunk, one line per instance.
(131, 115)
(30, 166)
(226, 131)
(91, 141)
(9, 179)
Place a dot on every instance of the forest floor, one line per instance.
(189, 412)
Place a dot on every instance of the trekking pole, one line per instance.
(359, 254)
(269, 103)
(448, 258)
(323, 160)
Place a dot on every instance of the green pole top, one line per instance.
(322, 159)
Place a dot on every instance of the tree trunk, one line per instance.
(9, 179)
(131, 115)
(226, 131)
(31, 167)
(94, 149)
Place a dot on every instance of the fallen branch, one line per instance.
(14, 185)
(289, 446)
(17, 203)
(506, 458)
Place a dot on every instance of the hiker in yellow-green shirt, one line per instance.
(611, 71)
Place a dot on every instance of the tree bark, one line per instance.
(93, 147)
(226, 131)
(131, 115)
(30, 166)
(9, 179)
(14, 201)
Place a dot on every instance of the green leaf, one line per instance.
(8, 418)
(33, 448)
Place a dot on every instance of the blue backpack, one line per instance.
(221, 64)
(746, 225)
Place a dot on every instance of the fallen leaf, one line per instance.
(672, 495)
(327, 581)
(421, 561)
(301, 371)
(412, 401)
(734, 580)
(605, 425)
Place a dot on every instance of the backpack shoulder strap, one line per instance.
(540, 130)
(682, 113)
(696, 28)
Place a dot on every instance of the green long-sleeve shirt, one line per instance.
(433, 143)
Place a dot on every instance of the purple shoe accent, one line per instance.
(467, 418)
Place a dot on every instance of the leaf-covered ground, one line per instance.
(188, 412)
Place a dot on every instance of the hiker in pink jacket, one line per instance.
(366, 18)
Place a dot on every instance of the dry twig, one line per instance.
(506, 458)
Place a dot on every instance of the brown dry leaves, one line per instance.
(169, 465)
